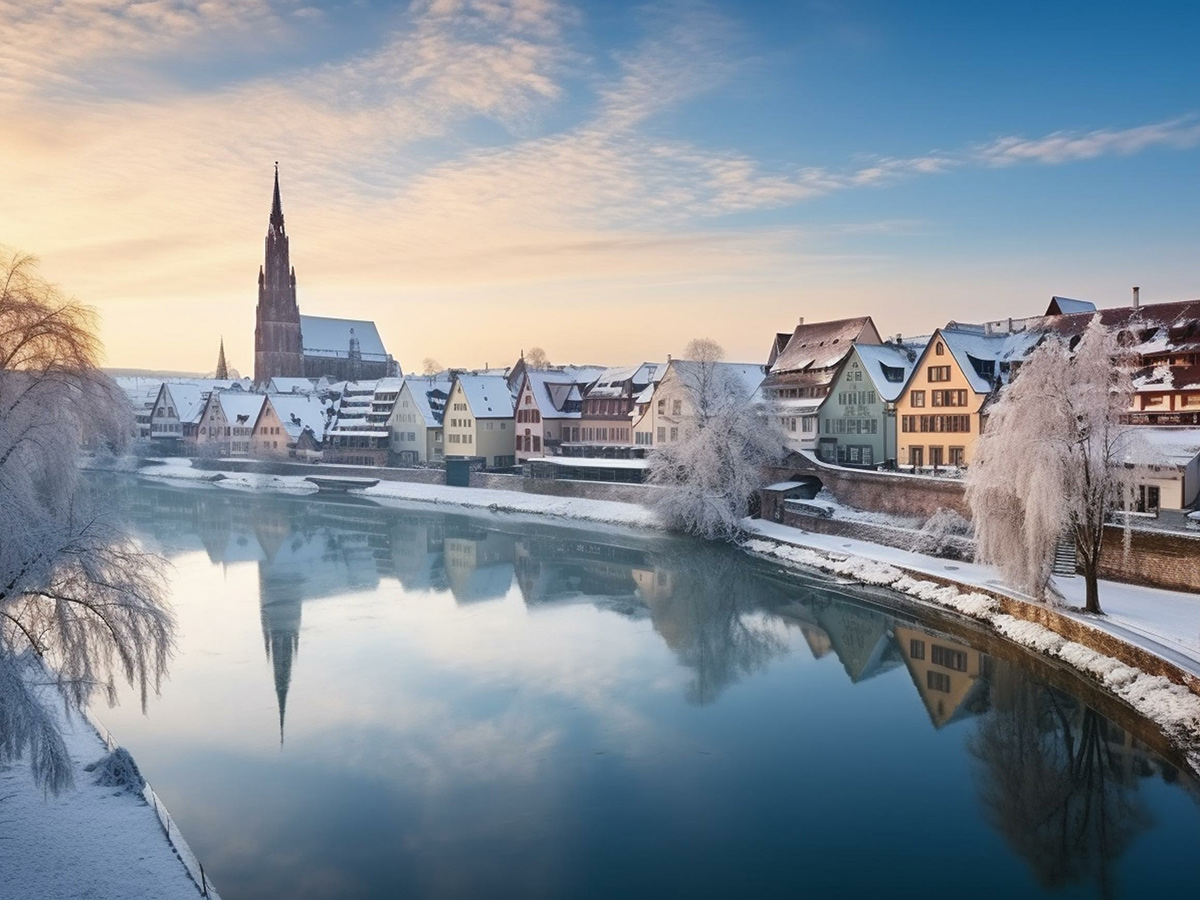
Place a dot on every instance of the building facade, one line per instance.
(858, 418)
(416, 421)
(479, 420)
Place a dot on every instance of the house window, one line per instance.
(916, 457)
(917, 398)
(939, 349)
(956, 456)
(935, 456)
(662, 407)
(939, 373)
(674, 434)
(916, 649)
(808, 424)
(676, 407)
(947, 658)
(938, 681)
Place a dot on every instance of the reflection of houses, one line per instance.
(861, 638)
(952, 678)
(552, 567)
(479, 566)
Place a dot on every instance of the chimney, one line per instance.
(899, 338)
(801, 322)
(1137, 303)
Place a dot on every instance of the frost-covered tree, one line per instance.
(430, 366)
(536, 359)
(726, 439)
(1053, 461)
(75, 592)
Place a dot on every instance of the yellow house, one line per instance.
(478, 420)
(939, 412)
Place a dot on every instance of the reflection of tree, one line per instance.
(708, 620)
(1053, 784)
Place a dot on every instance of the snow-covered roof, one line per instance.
(280, 385)
(551, 391)
(188, 400)
(236, 405)
(823, 345)
(588, 462)
(975, 349)
(300, 411)
(612, 382)
(487, 395)
(1065, 306)
(890, 365)
(322, 336)
(1163, 445)
(429, 396)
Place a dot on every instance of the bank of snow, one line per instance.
(1174, 708)
(88, 842)
(409, 492)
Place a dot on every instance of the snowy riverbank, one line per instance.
(89, 841)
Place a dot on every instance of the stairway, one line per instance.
(1064, 558)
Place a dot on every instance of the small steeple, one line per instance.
(222, 368)
(276, 203)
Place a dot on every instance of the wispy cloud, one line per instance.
(1067, 146)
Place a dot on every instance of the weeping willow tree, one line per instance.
(81, 605)
(1054, 460)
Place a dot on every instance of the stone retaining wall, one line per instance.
(887, 492)
(1156, 558)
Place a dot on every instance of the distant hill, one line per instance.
(150, 373)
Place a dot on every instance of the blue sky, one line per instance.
(604, 180)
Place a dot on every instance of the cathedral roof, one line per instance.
(330, 338)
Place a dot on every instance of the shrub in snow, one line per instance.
(117, 769)
(75, 591)
(946, 534)
(1053, 461)
(712, 473)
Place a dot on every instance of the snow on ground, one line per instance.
(90, 841)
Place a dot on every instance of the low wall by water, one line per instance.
(886, 492)
(1157, 558)
(587, 490)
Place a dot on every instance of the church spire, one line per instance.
(276, 203)
(222, 368)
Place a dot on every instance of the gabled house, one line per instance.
(800, 377)
(858, 417)
(942, 409)
(227, 422)
(177, 407)
(291, 425)
(479, 419)
(416, 421)
(549, 407)
(669, 413)
(608, 402)
(359, 434)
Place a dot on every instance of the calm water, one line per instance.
(380, 703)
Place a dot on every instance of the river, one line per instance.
(373, 702)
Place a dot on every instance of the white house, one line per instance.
(227, 422)
(479, 419)
(668, 413)
(416, 420)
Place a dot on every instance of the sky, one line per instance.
(603, 180)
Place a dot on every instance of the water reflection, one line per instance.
(1057, 781)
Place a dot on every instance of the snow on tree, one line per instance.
(726, 438)
(80, 602)
(1053, 461)
(946, 533)
(536, 359)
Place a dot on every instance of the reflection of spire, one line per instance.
(281, 640)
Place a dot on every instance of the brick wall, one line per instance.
(1155, 558)
(889, 492)
(589, 490)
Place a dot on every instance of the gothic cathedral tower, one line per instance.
(277, 347)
